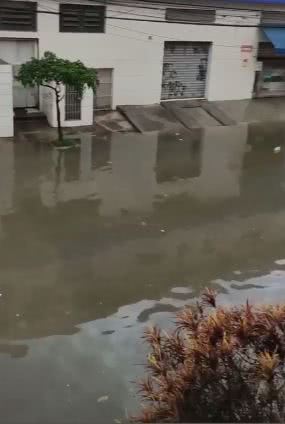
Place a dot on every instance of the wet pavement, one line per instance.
(98, 242)
(253, 110)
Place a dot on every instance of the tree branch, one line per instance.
(48, 86)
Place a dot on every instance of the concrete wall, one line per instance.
(6, 101)
(135, 50)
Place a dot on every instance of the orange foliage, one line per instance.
(219, 365)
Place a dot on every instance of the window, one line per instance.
(191, 15)
(18, 16)
(72, 104)
(273, 18)
(82, 18)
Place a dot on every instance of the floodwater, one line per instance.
(99, 241)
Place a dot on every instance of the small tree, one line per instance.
(55, 73)
(220, 365)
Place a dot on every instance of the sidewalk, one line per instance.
(203, 114)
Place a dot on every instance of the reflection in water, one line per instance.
(99, 241)
(6, 181)
(178, 156)
(100, 152)
(15, 350)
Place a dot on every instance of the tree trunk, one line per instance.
(59, 128)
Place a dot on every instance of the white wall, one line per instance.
(47, 105)
(135, 50)
(6, 101)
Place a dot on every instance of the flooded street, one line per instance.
(98, 242)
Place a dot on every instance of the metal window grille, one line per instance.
(191, 15)
(273, 18)
(103, 94)
(82, 18)
(18, 16)
(72, 104)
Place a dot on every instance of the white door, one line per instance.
(17, 52)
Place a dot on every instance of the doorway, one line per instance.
(17, 52)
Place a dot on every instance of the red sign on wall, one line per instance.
(246, 48)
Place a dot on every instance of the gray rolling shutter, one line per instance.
(184, 70)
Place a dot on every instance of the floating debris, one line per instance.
(280, 262)
(162, 231)
(106, 332)
(102, 399)
(181, 290)
(143, 223)
(277, 149)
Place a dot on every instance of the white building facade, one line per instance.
(144, 51)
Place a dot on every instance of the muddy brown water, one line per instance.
(99, 241)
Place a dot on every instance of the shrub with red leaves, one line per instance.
(219, 365)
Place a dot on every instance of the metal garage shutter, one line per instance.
(184, 70)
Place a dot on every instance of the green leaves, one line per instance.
(51, 68)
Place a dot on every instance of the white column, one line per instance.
(6, 100)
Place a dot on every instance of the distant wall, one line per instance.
(6, 101)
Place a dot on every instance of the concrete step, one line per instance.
(149, 117)
(217, 113)
(28, 113)
(191, 114)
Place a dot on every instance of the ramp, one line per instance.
(191, 114)
(150, 117)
